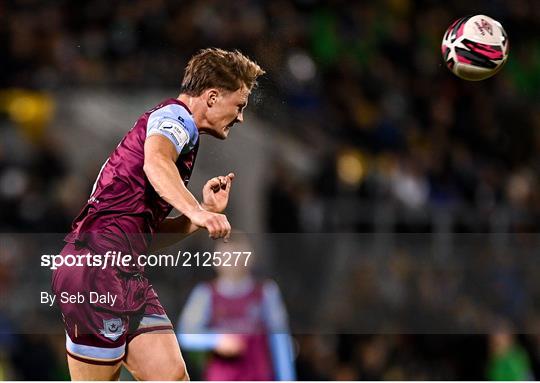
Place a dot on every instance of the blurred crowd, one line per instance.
(416, 357)
(399, 143)
(362, 85)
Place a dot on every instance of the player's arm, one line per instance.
(159, 166)
(173, 229)
(193, 329)
(193, 332)
(215, 198)
(280, 341)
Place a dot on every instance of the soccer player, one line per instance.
(242, 321)
(136, 189)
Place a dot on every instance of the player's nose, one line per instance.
(240, 117)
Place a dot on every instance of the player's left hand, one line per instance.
(216, 193)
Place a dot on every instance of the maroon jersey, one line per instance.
(242, 315)
(124, 210)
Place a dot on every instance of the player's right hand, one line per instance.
(230, 345)
(217, 224)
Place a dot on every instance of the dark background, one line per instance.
(368, 133)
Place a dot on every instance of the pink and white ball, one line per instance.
(475, 47)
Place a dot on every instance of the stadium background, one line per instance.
(357, 127)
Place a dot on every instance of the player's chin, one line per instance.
(219, 134)
(225, 132)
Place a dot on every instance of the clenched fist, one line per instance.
(217, 224)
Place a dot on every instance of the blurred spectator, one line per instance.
(241, 320)
(508, 359)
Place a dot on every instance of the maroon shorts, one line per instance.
(104, 309)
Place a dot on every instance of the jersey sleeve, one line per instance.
(174, 123)
(193, 332)
(280, 341)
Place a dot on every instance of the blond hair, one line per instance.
(218, 68)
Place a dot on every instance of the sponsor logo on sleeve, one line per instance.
(178, 132)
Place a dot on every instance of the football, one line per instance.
(475, 47)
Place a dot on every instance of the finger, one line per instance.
(226, 228)
(217, 231)
(228, 233)
(213, 182)
(220, 227)
(229, 184)
(230, 178)
(223, 182)
(224, 225)
(212, 229)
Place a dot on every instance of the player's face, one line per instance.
(226, 110)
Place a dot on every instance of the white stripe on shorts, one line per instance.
(96, 353)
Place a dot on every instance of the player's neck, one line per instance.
(194, 106)
(188, 101)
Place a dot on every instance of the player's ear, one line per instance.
(211, 97)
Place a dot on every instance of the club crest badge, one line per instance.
(112, 328)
